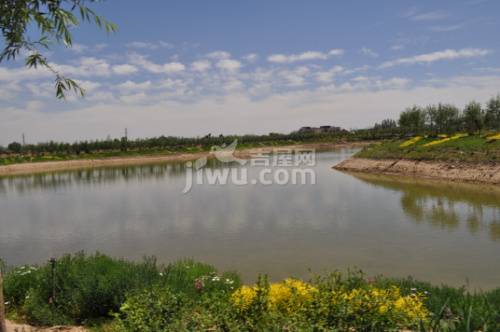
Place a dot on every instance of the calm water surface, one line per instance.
(441, 232)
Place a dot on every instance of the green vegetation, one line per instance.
(466, 148)
(441, 119)
(440, 132)
(116, 295)
(53, 151)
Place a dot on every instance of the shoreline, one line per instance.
(14, 327)
(75, 164)
(438, 170)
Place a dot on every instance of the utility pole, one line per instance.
(126, 133)
(3, 327)
(24, 140)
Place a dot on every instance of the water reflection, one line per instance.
(442, 233)
(445, 205)
(89, 177)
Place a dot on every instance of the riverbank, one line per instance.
(15, 327)
(110, 295)
(457, 157)
(488, 173)
(65, 165)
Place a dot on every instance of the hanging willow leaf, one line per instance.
(54, 20)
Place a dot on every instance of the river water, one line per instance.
(435, 231)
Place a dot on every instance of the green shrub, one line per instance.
(86, 287)
(193, 278)
(18, 282)
(151, 310)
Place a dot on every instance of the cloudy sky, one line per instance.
(190, 67)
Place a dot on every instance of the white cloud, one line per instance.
(296, 77)
(78, 48)
(130, 85)
(305, 56)
(168, 68)
(19, 74)
(369, 52)
(201, 66)
(438, 56)
(218, 55)
(149, 45)
(429, 16)
(446, 28)
(89, 86)
(85, 67)
(229, 65)
(336, 52)
(124, 69)
(252, 57)
(134, 98)
(233, 85)
(173, 67)
(327, 76)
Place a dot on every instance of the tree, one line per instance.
(15, 147)
(53, 20)
(492, 116)
(412, 120)
(387, 128)
(443, 118)
(473, 117)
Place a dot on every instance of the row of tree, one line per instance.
(442, 119)
(171, 143)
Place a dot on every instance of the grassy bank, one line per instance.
(455, 147)
(116, 295)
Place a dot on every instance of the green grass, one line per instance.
(115, 295)
(474, 148)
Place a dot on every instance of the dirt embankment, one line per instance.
(64, 165)
(454, 171)
(14, 327)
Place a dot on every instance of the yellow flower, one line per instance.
(494, 137)
(359, 302)
(444, 140)
(383, 309)
(410, 142)
(243, 297)
(288, 295)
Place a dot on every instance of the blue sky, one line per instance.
(197, 67)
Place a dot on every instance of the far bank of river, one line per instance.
(65, 165)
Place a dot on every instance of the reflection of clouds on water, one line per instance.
(88, 177)
(447, 206)
(279, 230)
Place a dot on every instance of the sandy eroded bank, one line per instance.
(455, 171)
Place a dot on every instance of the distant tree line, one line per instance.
(170, 143)
(441, 119)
